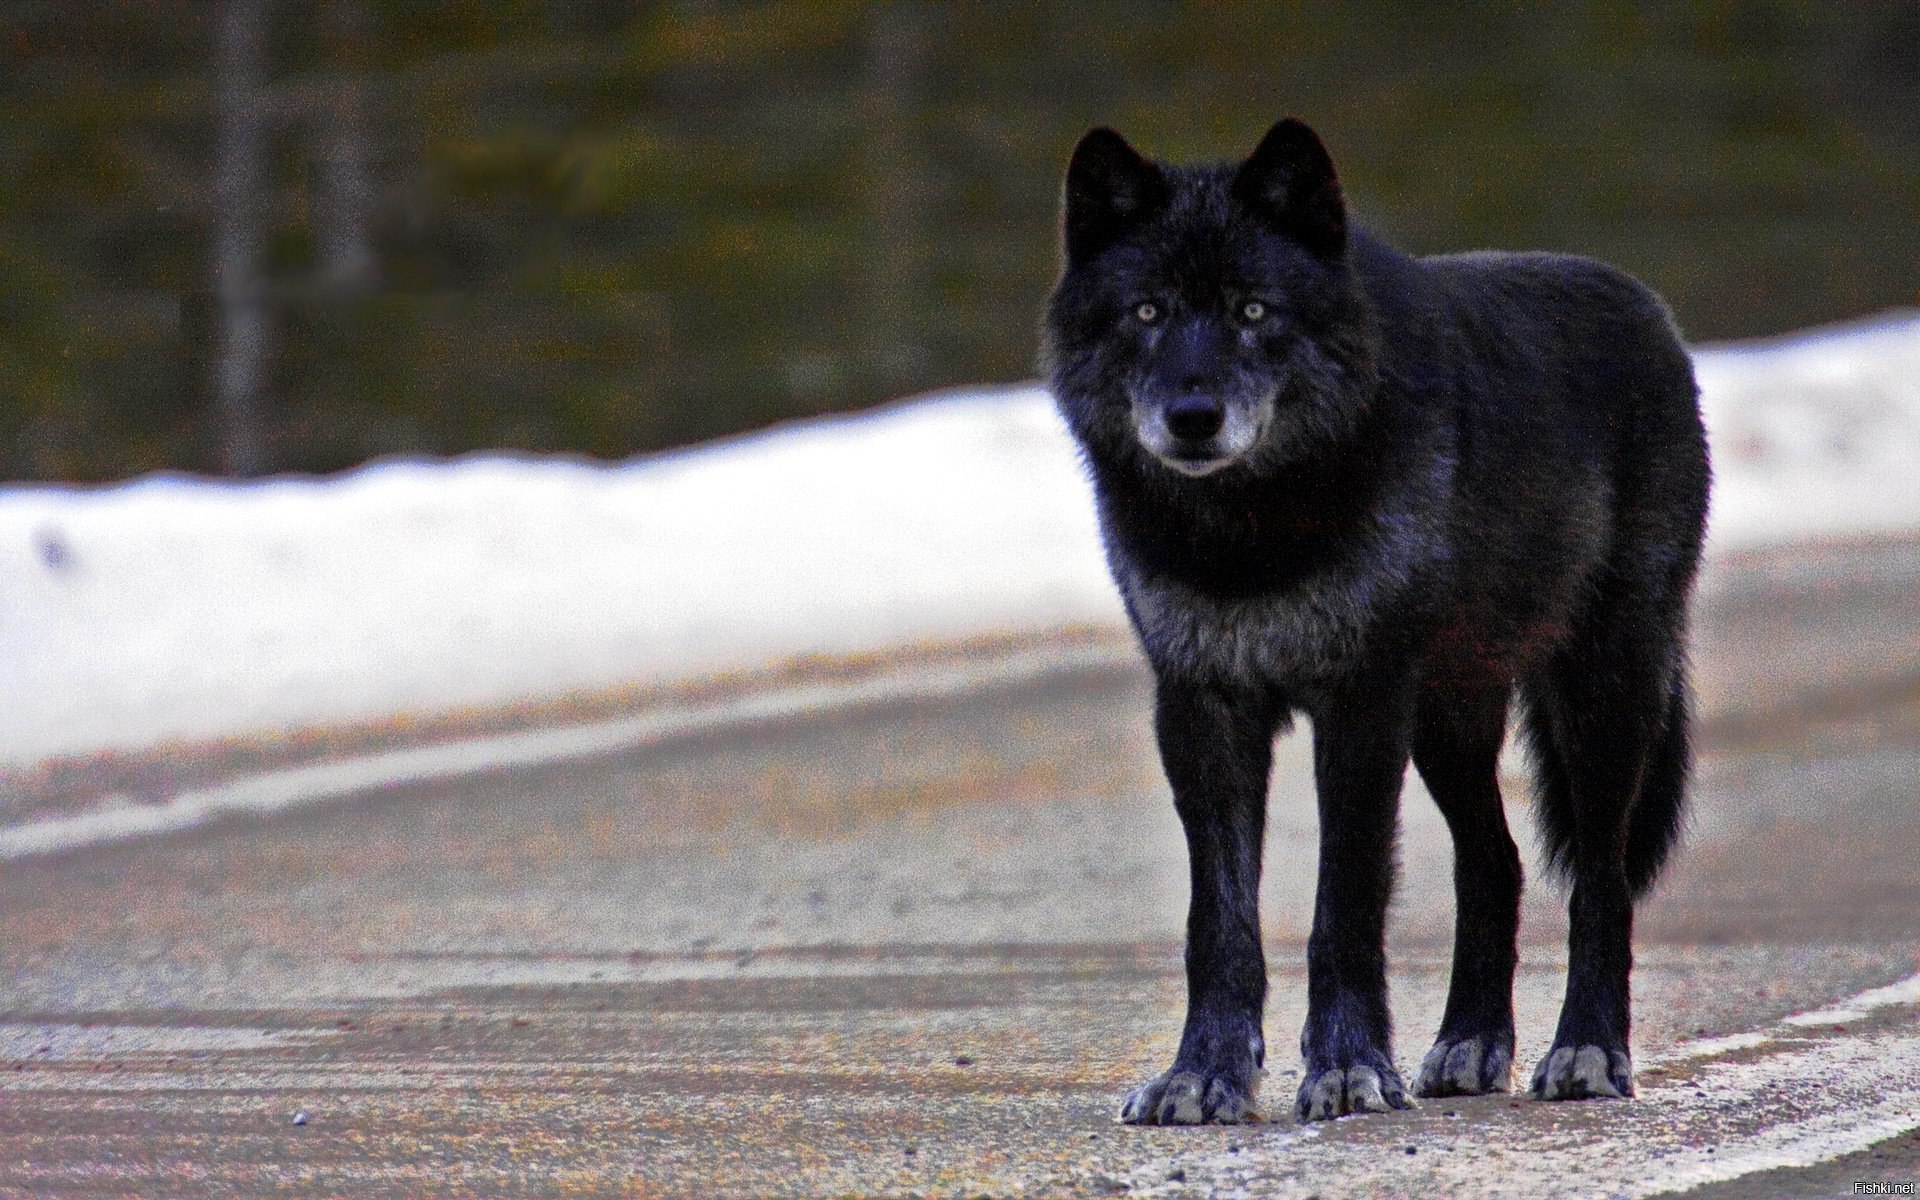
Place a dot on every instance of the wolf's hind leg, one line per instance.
(1613, 771)
(1456, 749)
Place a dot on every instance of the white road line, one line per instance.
(1856, 1008)
(1907, 991)
(120, 819)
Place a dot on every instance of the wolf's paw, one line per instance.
(1327, 1094)
(1466, 1066)
(1191, 1098)
(1583, 1073)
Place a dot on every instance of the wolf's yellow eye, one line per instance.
(1147, 311)
(1252, 311)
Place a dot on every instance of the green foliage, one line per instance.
(604, 229)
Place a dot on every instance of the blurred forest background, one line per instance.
(266, 235)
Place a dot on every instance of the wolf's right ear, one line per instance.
(1109, 187)
(1289, 180)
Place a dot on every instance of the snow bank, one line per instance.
(1816, 434)
(169, 608)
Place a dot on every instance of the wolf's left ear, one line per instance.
(1109, 187)
(1289, 180)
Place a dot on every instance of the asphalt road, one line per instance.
(923, 945)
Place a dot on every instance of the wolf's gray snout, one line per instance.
(1195, 418)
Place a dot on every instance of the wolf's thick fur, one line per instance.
(1393, 494)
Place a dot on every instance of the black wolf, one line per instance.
(1394, 494)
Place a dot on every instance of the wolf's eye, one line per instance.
(1147, 312)
(1253, 311)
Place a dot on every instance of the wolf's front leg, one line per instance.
(1360, 749)
(1217, 750)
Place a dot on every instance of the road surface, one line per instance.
(920, 945)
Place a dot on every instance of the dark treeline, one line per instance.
(268, 235)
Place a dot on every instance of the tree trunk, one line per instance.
(239, 242)
(896, 353)
(343, 191)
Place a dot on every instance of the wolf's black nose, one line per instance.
(1195, 418)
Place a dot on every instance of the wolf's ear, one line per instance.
(1109, 187)
(1289, 180)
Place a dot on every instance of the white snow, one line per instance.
(168, 608)
(1816, 434)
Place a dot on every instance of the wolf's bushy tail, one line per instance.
(1659, 810)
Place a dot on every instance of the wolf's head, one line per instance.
(1207, 315)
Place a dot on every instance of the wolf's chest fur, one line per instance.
(1316, 625)
(1311, 631)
